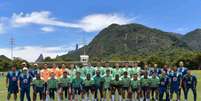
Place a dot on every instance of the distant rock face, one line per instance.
(193, 39)
(4, 58)
(129, 39)
(40, 58)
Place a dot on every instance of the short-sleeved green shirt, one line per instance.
(77, 83)
(135, 84)
(125, 82)
(116, 72)
(154, 82)
(87, 83)
(52, 83)
(64, 81)
(116, 82)
(107, 80)
(98, 80)
(38, 83)
(89, 70)
(145, 82)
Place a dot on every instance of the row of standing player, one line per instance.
(51, 83)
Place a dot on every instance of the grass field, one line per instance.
(3, 90)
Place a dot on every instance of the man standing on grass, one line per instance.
(11, 83)
(24, 84)
(183, 71)
(175, 83)
(190, 82)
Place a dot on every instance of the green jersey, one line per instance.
(72, 73)
(65, 82)
(145, 82)
(52, 83)
(135, 84)
(81, 70)
(98, 80)
(89, 70)
(101, 69)
(135, 70)
(116, 71)
(38, 83)
(115, 82)
(126, 69)
(154, 82)
(125, 81)
(107, 80)
(77, 83)
(87, 83)
(108, 68)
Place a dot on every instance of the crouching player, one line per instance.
(52, 85)
(155, 81)
(115, 85)
(88, 85)
(64, 85)
(145, 83)
(175, 83)
(135, 87)
(38, 87)
(125, 83)
(190, 82)
(163, 86)
(77, 84)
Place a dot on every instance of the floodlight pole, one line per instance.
(12, 42)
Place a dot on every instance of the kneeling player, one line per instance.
(125, 83)
(77, 84)
(64, 84)
(135, 87)
(175, 83)
(190, 82)
(38, 87)
(115, 85)
(88, 84)
(52, 84)
(155, 81)
(145, 83)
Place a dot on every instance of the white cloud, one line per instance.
(31, 53)
(90, 23)
(47, 29)
(96, 22)
(1, 28)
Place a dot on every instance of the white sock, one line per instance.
(120, 98)
(112, 97)
(47, 98)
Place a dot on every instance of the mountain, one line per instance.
(193, 39)
(4, 58)
(130, 39)
(40, 58)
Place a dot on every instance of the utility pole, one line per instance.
(12, 43)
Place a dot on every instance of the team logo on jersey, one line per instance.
(25, 81)
(174, 78)
(162, 83)
(189, 82)
(14, 78)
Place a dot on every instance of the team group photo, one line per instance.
(127, 81)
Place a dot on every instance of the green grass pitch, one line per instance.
(3, 89)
